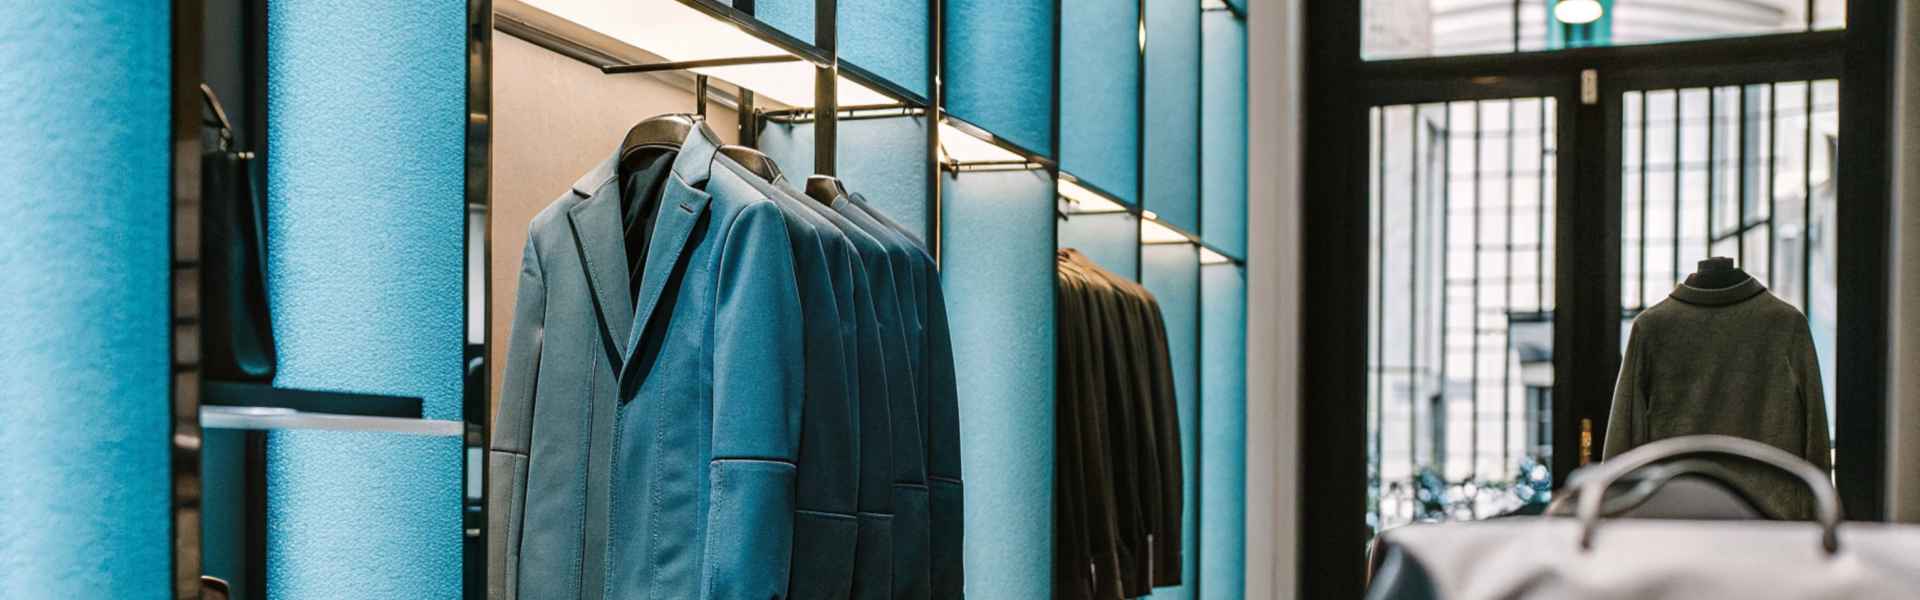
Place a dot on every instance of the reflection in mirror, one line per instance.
(318, 362)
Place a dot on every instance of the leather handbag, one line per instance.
(1590, 556)
(236, 323)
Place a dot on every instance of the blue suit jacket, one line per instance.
(912, 499)
(646, 449)
(942, 401)
(882, 384)
(826, 525)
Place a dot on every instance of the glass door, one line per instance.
(1494, 190)
(1462, 199)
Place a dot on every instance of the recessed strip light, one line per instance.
(1209, 257)
(677, 32)
(1085, 201)
(958, 145)
(1152, 232)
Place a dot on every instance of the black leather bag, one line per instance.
(236, 324)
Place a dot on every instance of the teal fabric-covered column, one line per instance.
(1223, 425)
(1172, 150)
(1100, 95)
(1111, 239)
(884, 160)
(891, 38)
(792, 17)
(997, 271)
(85, 512)
(999, 68)
(1223, 132)
(1172, 273)
(366, 106)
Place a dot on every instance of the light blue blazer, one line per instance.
(646, 449)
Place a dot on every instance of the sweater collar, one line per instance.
(1718, 296)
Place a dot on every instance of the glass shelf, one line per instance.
(272, 418)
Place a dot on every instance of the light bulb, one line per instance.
(1577, 12)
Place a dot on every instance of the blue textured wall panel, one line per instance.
(83, 411)
(884, 160)
(1172, 147)
(889, 38)
(1111, 239)
(998, 274)
(1223, 133)
(793, 17)
(791, 147)
(366, 109)
(1100, 94)
(1239, 4)
(1223, 450)
(1172, 273)
(999, 68)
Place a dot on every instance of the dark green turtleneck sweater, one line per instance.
(1733, 361)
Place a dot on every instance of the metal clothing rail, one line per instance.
(698, 64)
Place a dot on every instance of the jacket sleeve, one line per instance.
(1629, 398)
(513, 428)
(756, 354)
(1813, 398)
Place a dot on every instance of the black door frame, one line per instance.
(1341, 88)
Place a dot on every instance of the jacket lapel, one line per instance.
(680, 210)
(596, 227)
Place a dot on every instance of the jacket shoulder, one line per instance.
(553, 216)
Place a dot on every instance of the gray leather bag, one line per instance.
(1589, 557)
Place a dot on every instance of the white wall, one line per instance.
(1903, 387)
(1274, 102)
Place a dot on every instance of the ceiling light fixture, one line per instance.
(1578, 12)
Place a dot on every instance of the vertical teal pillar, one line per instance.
(366, 106)
(1223, 132)
(1172, 273)
(997, 270)
(85, 510)
(1223, 456)
(1171, 170)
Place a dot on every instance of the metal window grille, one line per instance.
(1753, 181)
(1461, 301)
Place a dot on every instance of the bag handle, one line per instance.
(1592, 483)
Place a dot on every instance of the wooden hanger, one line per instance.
(825, 188)
(754, 160)
(663, 131)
